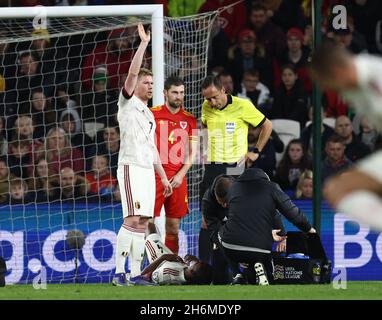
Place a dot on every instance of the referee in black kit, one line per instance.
(226, 119)
(246, 237)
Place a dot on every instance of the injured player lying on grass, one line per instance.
(168, 268)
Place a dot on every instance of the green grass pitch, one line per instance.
(355, 290)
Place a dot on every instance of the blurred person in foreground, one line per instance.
(357, 79)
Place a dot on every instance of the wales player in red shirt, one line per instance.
(176, 139)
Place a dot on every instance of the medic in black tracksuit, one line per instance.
(246, 236)
(215, 216)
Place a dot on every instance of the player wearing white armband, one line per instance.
(358, 79)
(137, 159)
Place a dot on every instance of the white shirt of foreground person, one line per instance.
(137, 129)
(366, 99)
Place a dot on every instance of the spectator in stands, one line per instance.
(269, 36)
(290, 101)
(61, 154)
(109, 145)
(267, 158)
(254, 90)
(304, 189)
(173, 61)
(366, 14)
(43, 183)
(3, 138)
(232, 20)
(5, 177)
(28, 76)
(227, 82)
(8, 62)
(63, 100)
(115, 56)
(334, 104)
(100, 104)
(351, 39)
(369, 135)
(43, 115)
(293, 163)
(23, 128)
(101, 182)
(355, 149)
(18, 192)
(335, 160)
(70, 121)
(19, 158)
(72, 187)
(218, 49)
(52, 60)
(247, 56)
(287, 14)
(307, 134)
(296, 54)
(23, 131)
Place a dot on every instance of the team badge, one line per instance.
(137, 205)
(183, 124)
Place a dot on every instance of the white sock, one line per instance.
(137, 252)
(155, 247)
(124, 241)
(363, 206)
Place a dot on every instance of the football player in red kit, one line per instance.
(176, 139)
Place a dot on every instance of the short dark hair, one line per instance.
(224, 74)
(290, 67)
(173, 81)
(335, 138)
(212, 80)
(222, 186)
(328, 54)
(252, 73)
(27, 53)
(258, 7)
(202, 275)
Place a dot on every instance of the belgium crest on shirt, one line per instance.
(137, 205)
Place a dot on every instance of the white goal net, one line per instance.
(59, 138)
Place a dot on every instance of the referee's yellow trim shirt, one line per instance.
(228, 128)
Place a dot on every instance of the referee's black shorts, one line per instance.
(211, 171)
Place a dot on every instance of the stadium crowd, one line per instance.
(259, 49)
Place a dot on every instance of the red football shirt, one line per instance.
(173, 133)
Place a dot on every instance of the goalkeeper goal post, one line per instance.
(61, 70)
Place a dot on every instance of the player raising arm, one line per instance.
(136, 162)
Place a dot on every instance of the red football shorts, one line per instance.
(176, 205)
